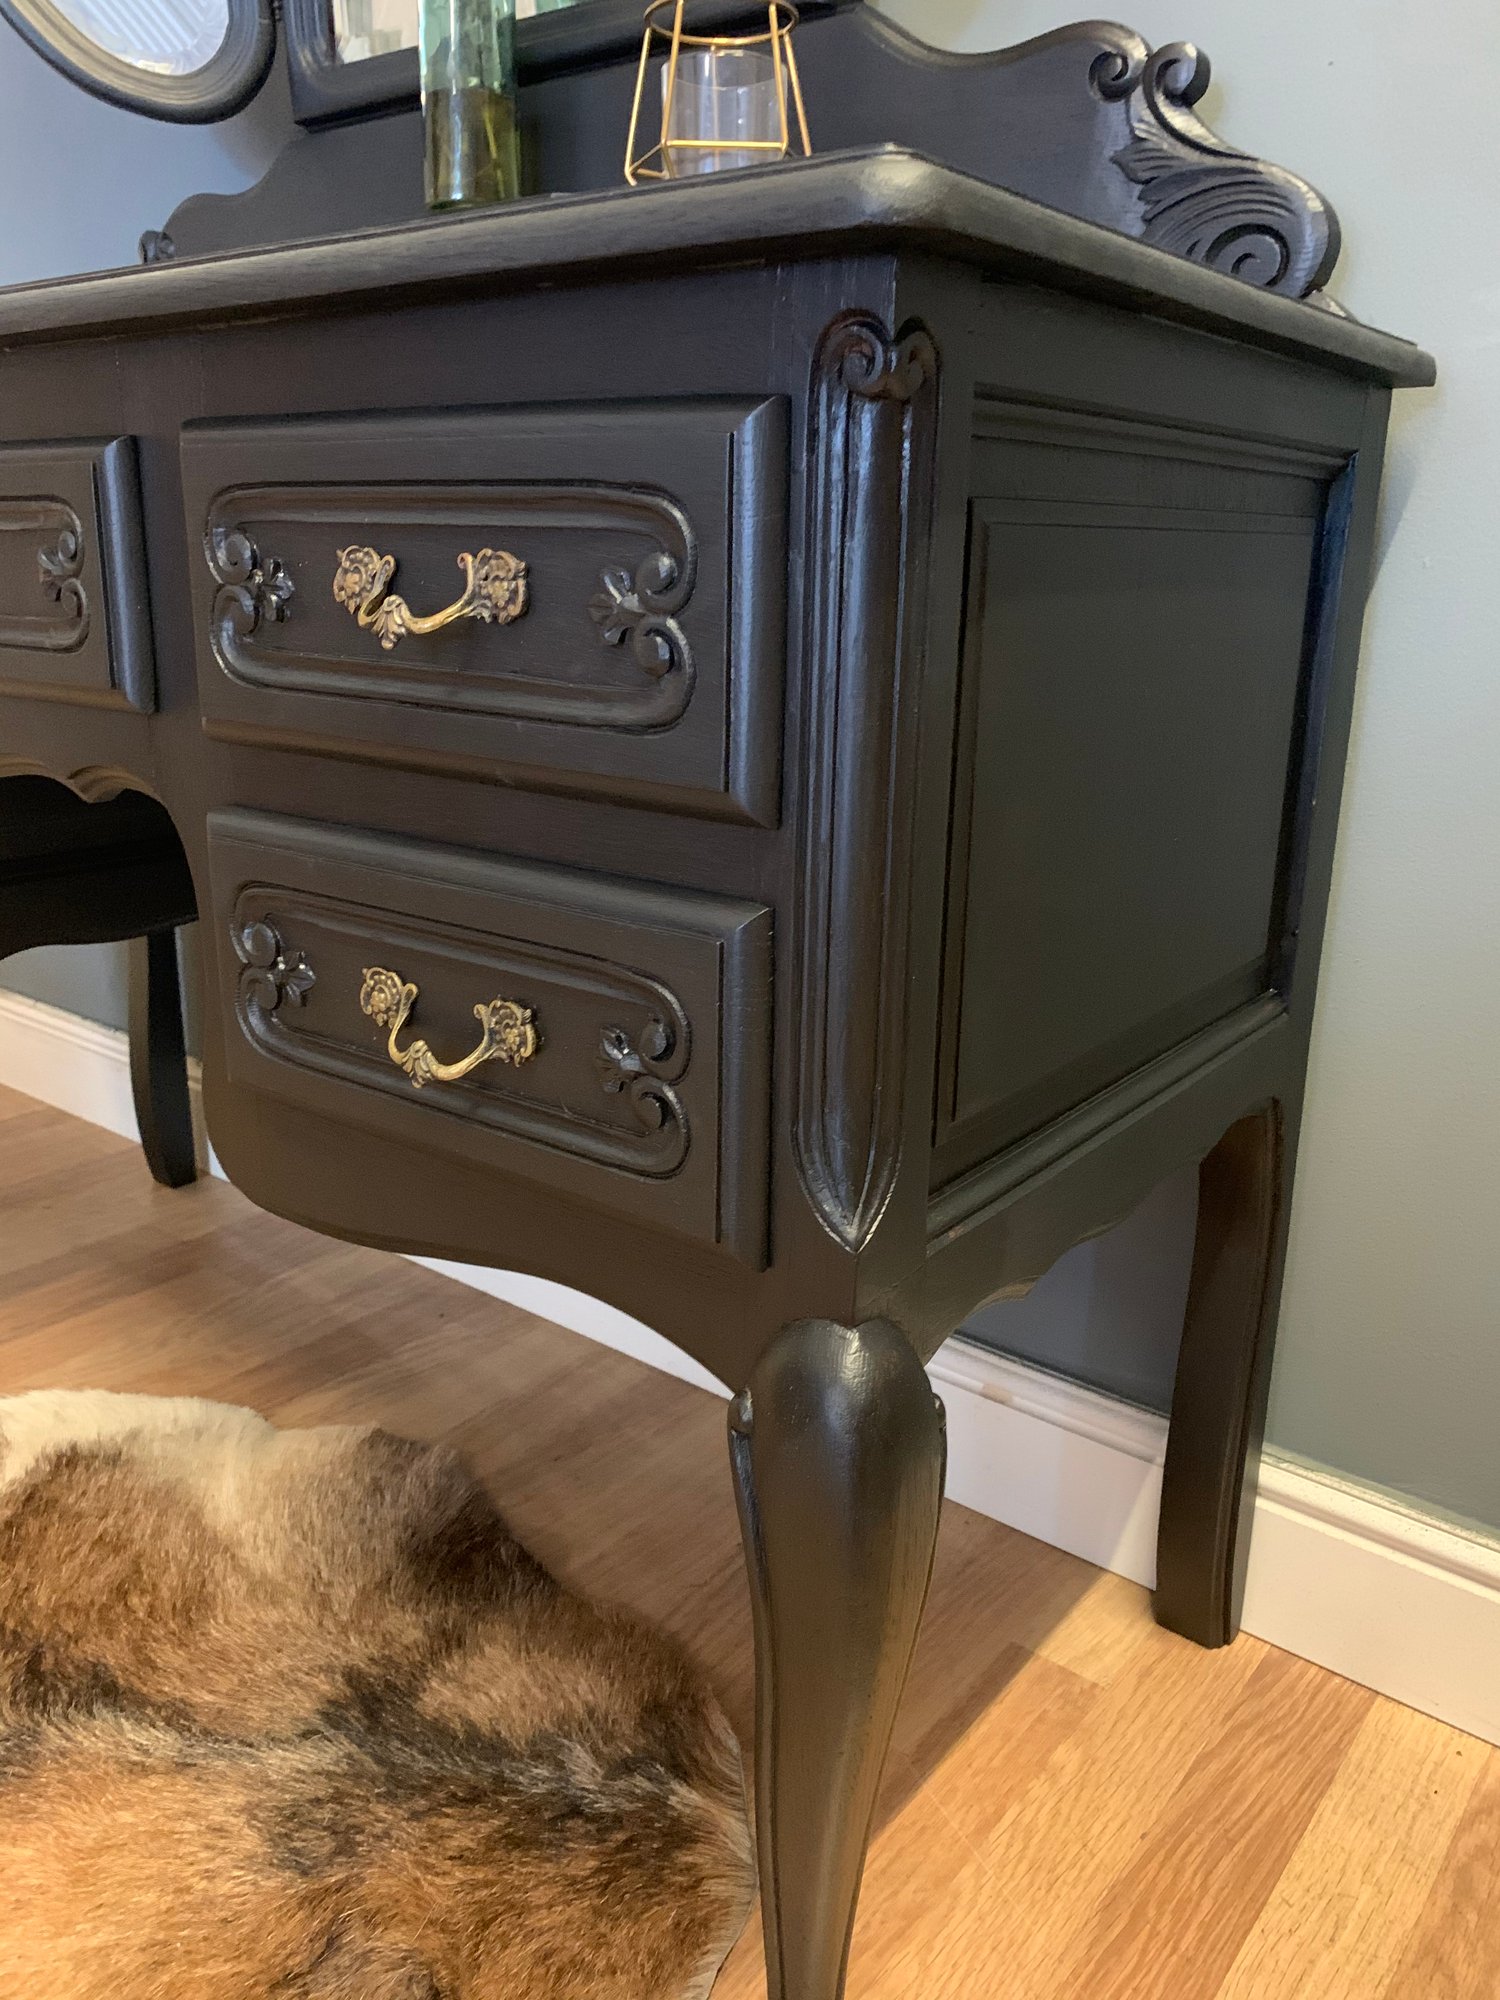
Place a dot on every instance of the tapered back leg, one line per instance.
(1223, 1373)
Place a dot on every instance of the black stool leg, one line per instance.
(158, 1059)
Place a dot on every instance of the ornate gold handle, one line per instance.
(494, 592)
(509, 1030)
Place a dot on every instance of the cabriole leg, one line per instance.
(838, 1449)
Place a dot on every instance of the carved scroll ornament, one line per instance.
(1202, 198)
(253, 591)
(271, 975)
(56, 535)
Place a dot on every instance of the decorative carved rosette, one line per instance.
(270, 977)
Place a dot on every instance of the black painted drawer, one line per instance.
(637, 654)
(626, 1057)
(74, 624)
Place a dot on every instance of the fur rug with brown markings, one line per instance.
(291, 1715)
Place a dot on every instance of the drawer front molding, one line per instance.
(630, 1021)
(633, 647)
(73, 617)
(655, 1144)
(874, 409)
(257, 640)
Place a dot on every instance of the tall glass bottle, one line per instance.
(469, 102)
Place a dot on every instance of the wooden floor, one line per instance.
(1079, 1807)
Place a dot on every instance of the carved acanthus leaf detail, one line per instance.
(1204, 199)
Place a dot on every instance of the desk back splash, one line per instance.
(1087, 119)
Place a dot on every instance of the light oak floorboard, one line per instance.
(1454, 1949)
(1078, 1806)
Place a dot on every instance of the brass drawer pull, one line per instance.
(509, 1030)
(494, 592)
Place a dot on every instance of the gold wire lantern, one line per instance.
(694, 112)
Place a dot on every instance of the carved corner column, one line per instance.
(838, 1448)
(873, 421)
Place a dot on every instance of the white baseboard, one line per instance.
(1340, 1573)
(77, 1066)
(69, 1063)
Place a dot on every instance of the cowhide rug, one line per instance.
(291, 1715)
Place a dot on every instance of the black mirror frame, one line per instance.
(224, 85)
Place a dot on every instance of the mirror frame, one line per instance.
(224, 85)
(584, 36)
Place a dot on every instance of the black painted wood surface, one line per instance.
(74, 618)
(648, 664)
(158, 1060)
(1049, 614)
(838, 1449)
(222, 85)
(1087, 119)
(869, 202)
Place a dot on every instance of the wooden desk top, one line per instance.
(861, 202)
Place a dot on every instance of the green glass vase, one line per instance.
(468, 54)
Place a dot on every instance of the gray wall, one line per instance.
(1389, 1366)
(1389, 1361)
(79, 181)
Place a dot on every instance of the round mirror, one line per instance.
(191, 60)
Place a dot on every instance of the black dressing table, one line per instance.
(767, 749)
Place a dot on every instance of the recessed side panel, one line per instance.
(579, 598)
(74, 623)
(1140, 605)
